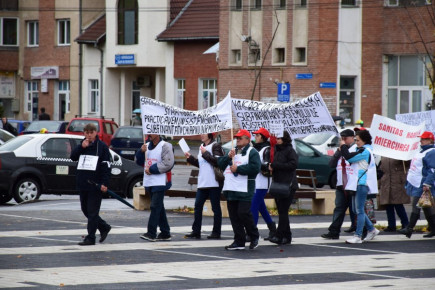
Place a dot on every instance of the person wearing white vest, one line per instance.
(421, 177)
(363, 180)
(342, 198)
(157, 158)
(241, 167)
(208, 186)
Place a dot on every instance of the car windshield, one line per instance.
(317, 139)
(5, 135)
(78, 125)
(134, 133)
(15, 143)
(38, 125)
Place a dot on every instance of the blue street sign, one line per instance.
(121, 59)
(328, 85)
(304, 76)
(284, 92)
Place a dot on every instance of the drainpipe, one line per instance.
(80, 60)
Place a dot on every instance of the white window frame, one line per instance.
(180, 92)
(33, 33)
(391, 3)
(31, 91)
(64, 88)
(94, 96)
(65, 26)
(236, 5)
(254, 5)
(203, 102)
(1, 31)
(278, 4)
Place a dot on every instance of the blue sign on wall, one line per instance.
(328, 85)
(304, 76)
(284, 92)
(125, 59)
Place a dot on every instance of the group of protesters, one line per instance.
(245, 176)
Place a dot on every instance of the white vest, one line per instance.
(239, 182)
(206, 177)
(152, 157)
(372, 181)
(339, 169)
(261, 181)
(415, 173)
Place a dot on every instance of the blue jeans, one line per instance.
(358, 201)
(214, 193)
(342, 203)
(258, 205)
(158, 214)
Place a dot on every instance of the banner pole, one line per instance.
(404, 167)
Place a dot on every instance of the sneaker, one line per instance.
(103, 234)
(214, 236)
(148, 237)
(193, 235)
(371, 234)
(354, 240)
(330, 236)
(253, 244)
(234, 246)
(162, 237)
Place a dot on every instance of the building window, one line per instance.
(280, 4)
(347, 99)
(135, 95)
(236, 56)
(407, 3)
(63, 99)
(406, 84)
(32, 33)
(208, 93)
(9, 5)
(181, 93)
(94, 93)
(127, 22)
(9, 31)
(32, 94)
(300, 55)
(279, 55)
(63, 32)
(256, 4)
(236, 5)
(348, 3)
(301, 3)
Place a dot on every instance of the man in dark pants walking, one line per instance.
(239, 187)
(342, 198)
(93, 158)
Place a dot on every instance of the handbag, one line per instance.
(279, 190)
(218, 174)
(426, 200)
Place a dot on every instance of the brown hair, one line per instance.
(90, 127)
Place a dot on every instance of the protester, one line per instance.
(343, 199)
(421, 177)
(262, 182)
(208, 186)
(283, 168)
(93, 174)
(362, 179)
(157, 157)
(392, 191)
(241, 167)
(44, 115)
(8, 127)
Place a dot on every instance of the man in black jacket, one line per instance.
(8, 127)
(93, 166)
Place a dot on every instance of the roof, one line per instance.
(197, 20)
(95, 33)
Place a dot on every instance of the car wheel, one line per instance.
(333, 180)
(27, 189)
(136, 182)
(4, 198)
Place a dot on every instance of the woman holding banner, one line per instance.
(362, 180)
(208, 185)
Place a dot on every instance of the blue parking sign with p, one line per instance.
(284, 92)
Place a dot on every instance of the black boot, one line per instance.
(412, 222)
(431, 221)
(272, 230)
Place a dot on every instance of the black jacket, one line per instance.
(211, 158)
(285, 162)
(102, 174)
(8, 127)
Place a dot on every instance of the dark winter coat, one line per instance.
(392, 184)
(285, 162)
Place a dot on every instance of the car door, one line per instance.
(57, 167)
(118, 174)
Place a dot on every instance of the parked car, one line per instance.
(105, 127)
(37, 164)
(126, 141)
(19, 125)
(325, 142)
(51, 126)
(5, 136)
(309, 158)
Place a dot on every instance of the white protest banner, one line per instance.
(163, 119)
(394, 139)
(418, 118)
(276, 129)
(302, 118)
